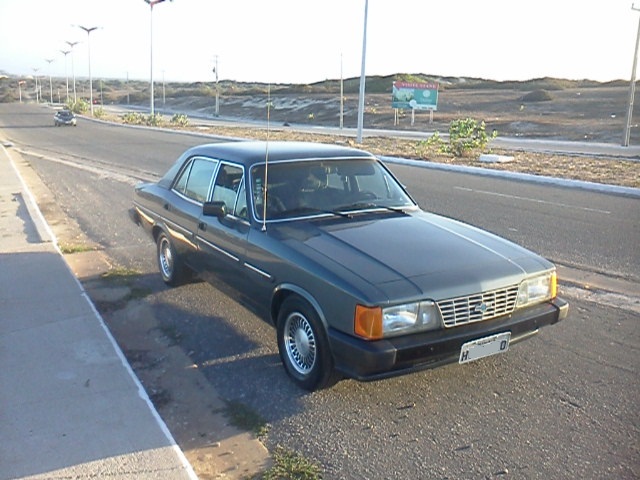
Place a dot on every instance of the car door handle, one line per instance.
(167, 206)
(202, 226)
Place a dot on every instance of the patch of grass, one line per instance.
(291, 465)
(245, 418)
(68, 249)
(121, 276)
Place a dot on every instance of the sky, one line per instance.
(306, 41)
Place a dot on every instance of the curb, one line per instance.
(523, 177)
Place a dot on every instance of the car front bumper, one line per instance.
(373, 360)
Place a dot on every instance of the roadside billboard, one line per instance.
(415, 96)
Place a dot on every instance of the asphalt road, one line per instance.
(562, 405)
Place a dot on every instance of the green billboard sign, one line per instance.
(415, 96)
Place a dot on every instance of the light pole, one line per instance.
(49, 60)
(341, 95)
(151, 4)
(20, 83)
(35, 74)
(632, 86)
(66, 74)
(362, 75)
(89, 30)
(73, 70)
(215, 70)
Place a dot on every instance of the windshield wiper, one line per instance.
(310, 211)
(369, 206)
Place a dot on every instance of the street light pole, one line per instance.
(632, 86)
(151, 4)
(20, 83)
(49, 60)
(66, 74)
(89, 30)
(362, 75)
(35, 74)
(73, 70)
(215, 70)
(341, 95)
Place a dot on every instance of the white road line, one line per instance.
(533, 200)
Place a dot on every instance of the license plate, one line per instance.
(484, 347)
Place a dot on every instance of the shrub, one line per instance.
(81, 106)
(180, 119)
(537, 96)
(133, 118)
(465, 136)
(154, 120)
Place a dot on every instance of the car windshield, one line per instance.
(338, 187)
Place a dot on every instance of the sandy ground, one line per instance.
(591, 114)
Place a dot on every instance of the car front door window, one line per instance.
(195, 180)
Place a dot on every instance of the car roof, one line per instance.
(252, 152)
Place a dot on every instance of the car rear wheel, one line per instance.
(172, 268)
(303, 345)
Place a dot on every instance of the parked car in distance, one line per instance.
(331, 249)
(64, 117)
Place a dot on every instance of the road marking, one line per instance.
(533, 200)
(101, 170)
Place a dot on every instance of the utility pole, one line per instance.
(632, 86)
(362, 75)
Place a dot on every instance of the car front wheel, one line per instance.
(171, 266)
(303, 346)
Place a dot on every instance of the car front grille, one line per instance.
(478, 307)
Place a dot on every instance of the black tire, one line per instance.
(172, 268)
(303, 345)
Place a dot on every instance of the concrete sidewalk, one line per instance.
(70, 405)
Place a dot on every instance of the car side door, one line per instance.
(183, 207)
(223, 227)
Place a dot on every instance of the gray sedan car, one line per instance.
(64, 117)
(327, 244)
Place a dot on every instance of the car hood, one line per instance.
(416, 255)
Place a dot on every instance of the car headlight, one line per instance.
(537, 289)
(375, 322)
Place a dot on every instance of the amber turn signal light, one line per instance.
(368, 322)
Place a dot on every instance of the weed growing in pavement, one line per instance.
(288, 464)
(68, 249)
(121, 276)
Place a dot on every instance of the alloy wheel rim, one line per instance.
(166, 260)
(300, 343)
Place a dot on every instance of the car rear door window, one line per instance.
(227, 185)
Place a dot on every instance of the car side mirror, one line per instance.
(214, 209)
